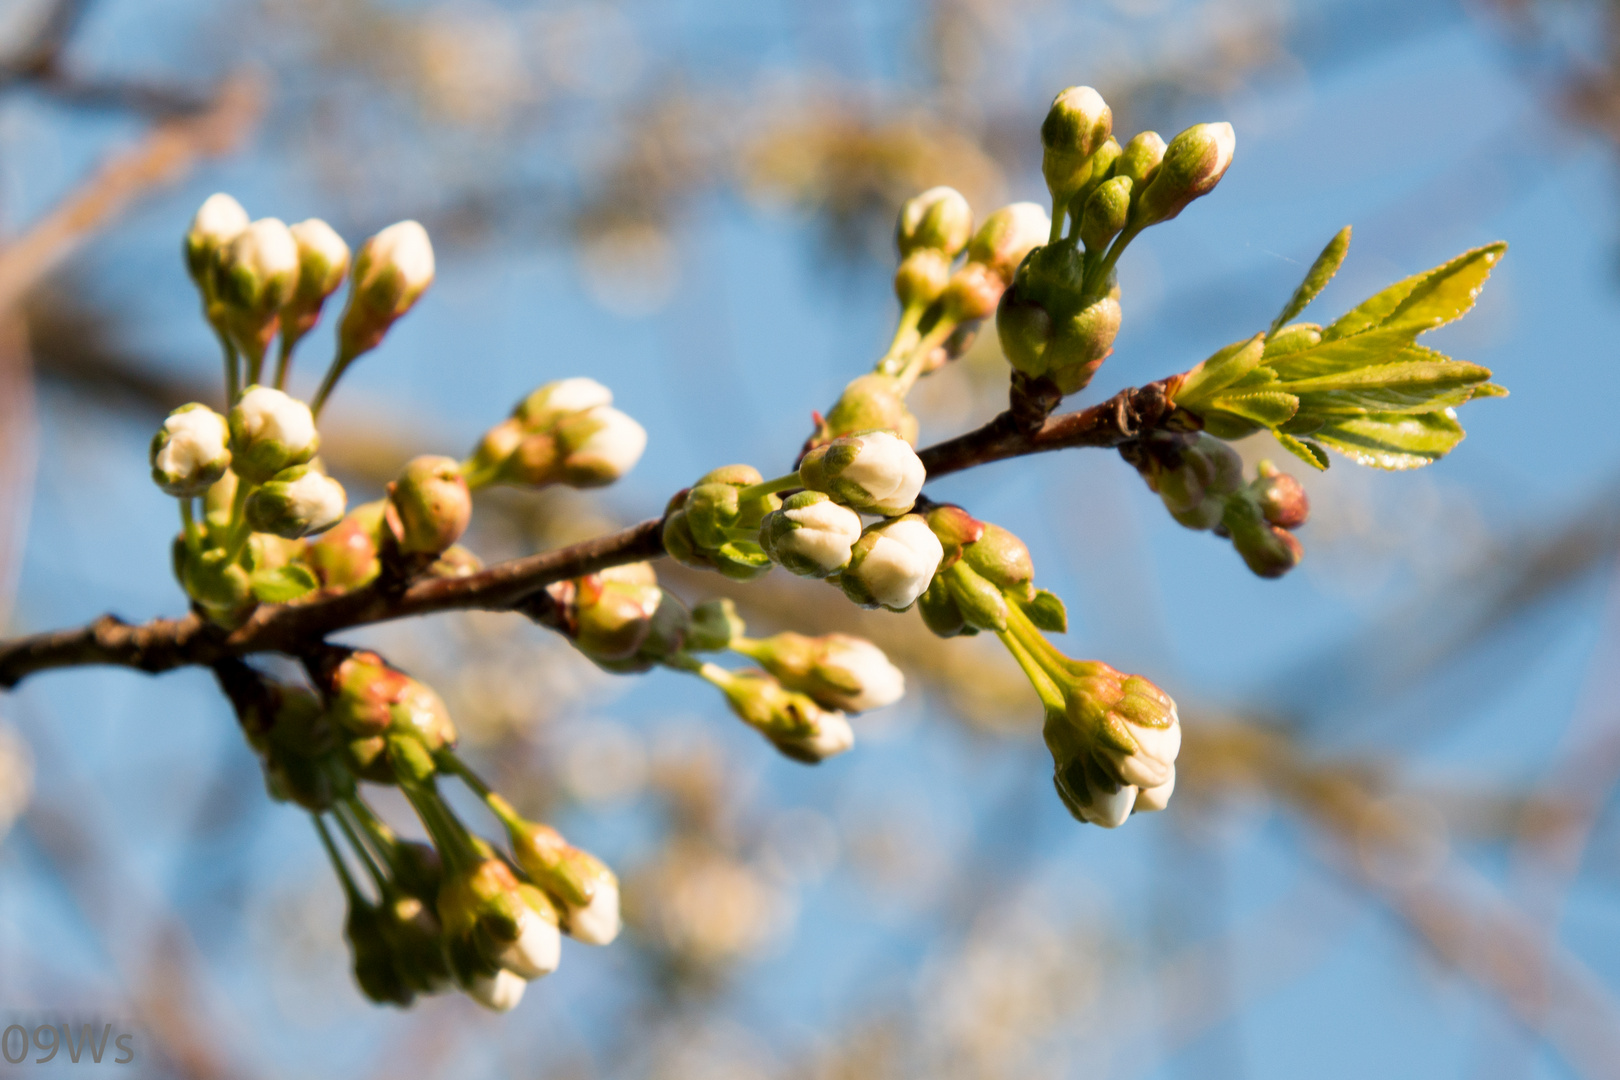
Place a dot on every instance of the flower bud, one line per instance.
(939, 219)
(390, 273)
(414, 935)
(922, 276)
(553, 401)
(345, 556)
(1002, 559)
(810, 535)
(1194, 480)
(714, 624)
(597, 446)
(1007, 236)
(980, 604)
(1114, 745)
(296, 502)
(255, 275)
(1140, 158)
(538, 947)
(373, 959)
(323, 260)
(872, 402)
(1076, 126)
(582, 885)
(1105, 213)
(955, 528)
(418, 711)
(1268, 550)
(1193, 164)
(613, 611)
(499, 992)
(270, 431)
(218, 221)
(972, 293)
(191, 451)
(220, 587)
(361, 690)
(794, 723)
(429, 506)
(874, 472)
(1283, 501)
(892, 563)
(1047, 327)
(838, 671)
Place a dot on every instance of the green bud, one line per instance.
(391, 271)
(922, 276)
(314, 783)
(871, 402)
(1140, 159)
(954, 527)
(555, 400)
(981, 604)
(360, 689)
(972, 293)
(712, 510)
(1046, 327)
(794, 723)
(939, 219)
(455, 561)
(940, 612)
(1076, 126)
(419, 712)
(613, 611)
(1269, 551)
(270, 431)
(1105, 213)
(1193, 164)
(1003, 560)
(1007, 236)
(296, 502)
(219, 587)
(1283, 501)
(1101, 171)
(714, 624)
(429, 506)
(529, 459)
(373, 958)
(345, 556)
(416, 939)
(1195, 480)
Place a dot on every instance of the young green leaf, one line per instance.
(1381, 346)
(1308, 452)
(1423, 301)
(1221, 370)
(1392, 440)
(1317, 277)
(1266, 408)
(282, 584)
(1413, 386)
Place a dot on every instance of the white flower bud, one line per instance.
(391, 272)
(218, 221)
(256, 275)
(1007, 236)
(538, 948)
(939, 218)
(191, 451)
(597, 923)
(874, 472)
(1114, 745)
(810, 535)
(500, 992)
(893, 563)
(832, 735)
(270, 431)
(556, 399)
(296, 502)
(855, 662)
(598, 446)
(323, 260)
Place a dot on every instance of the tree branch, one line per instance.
(164, 644)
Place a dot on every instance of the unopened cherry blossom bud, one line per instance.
(1007, 236)
(551, 402)
(1076, 126)
(1194, 479)
(613, 611)
(374, 969)
(299, 501)
(1140, 158)
(892, 563)
(1003, 560)
(345, 556)
(1047, 325)
(1193, 164)
(584, 887)
(982, 605)
(1105, 213)
(270, 431)
(793, 721)
(972, 293)
(191, 451)
(940, 612)
(1283, 501)
(218, 221)
(597, 446)
(417, 941)
(873, 402)
(874, 472)
(922, 276)
(1269, 551)
(500, 992)
(219, 586)
(938, 219)
(361, 688)
(955, 528)
(429, 506)
(714, 625)
(811, 535)
(419, 712)
(538, 947)
(255, 275)
(391, 271)
(837, 670)
(323, 261)
(1114, 744)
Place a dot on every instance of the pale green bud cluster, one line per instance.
(566, 432)
(1114, 744)
(715, 524)
(429, 506)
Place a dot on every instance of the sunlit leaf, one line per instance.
(1264, 407)
(1393, 441)
(1423, 301)
(1309, 453)
(1221, 370)
(1316, 278)
(281, 584)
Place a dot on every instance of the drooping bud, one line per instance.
(1283, 501)
(323, 260)
(939, 219)
(1007, 236)
(360, 690)
(597, 446)
(391, 272)
(794, 723)
(255, 275)
(1114, 745)
(874, 472)
(500, 992)
(872, 402)
(1105, 213)
(1076, 126)
(578, 881)
(1193, 164)
(940, 612)
(298, 501)
(837, 670)
(892, 563)
(373, 959)
(1268, 550)
(1195, 479)
(811, 535)
(218, 221)
(429, 506)
(345, 556)
(191, 451)
(270, 431)
(1140, 159)
(538, 948)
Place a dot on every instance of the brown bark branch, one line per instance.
(164, 644)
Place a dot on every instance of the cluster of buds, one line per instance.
(1058, 320)
(452, 914)
(716, 523)
(940, 307)
(1200, 479)
(566, 432)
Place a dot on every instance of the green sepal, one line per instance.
(1308, 452)
(741, 560)
(282, 583)
(1424, 301)
(1047, 612)
(1393, 440)
(1316, 278)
